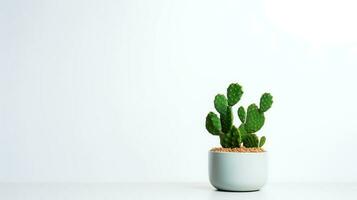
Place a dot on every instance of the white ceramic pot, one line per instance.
(233, 171)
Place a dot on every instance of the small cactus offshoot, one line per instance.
(252, 119)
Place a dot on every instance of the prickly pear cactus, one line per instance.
(227, 120)
(255, 119)
(241, 114)
(213, 124)
(262, 141)
(231, 139)
(265, 102)
(252, 120)
(242, 130)
(251, 140)
(220, 103)
(234, 93)
(236, 137)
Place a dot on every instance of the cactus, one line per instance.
(237, 137)
(241, 114)
(213, 124)
(220, 103)
(252, 120)
(251, 140)
(227, 120)
(242, 130)
(265, 102)
(225, 111)
(255, 119)
(234, 93)
(231, 139)
(262, 141)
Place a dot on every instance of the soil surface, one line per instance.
(241, 149)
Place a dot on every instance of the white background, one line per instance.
(119, 90)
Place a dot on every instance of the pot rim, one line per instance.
(245, 153)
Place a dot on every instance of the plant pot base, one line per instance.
(237, 172)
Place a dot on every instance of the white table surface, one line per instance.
(167, 191)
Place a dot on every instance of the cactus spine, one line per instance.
(252, 120)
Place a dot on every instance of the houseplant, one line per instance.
(241, 163)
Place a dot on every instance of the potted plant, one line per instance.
(241, 163)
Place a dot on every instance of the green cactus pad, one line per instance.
(231, 139)
(227, 120)
(242, 131)
(220, 103)
(237, 139)
(265, 102)
(251, 140)
(213, 124)
(262, 141)
(226, 140)
(234, 93)
(241, 114)
(255, 119)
